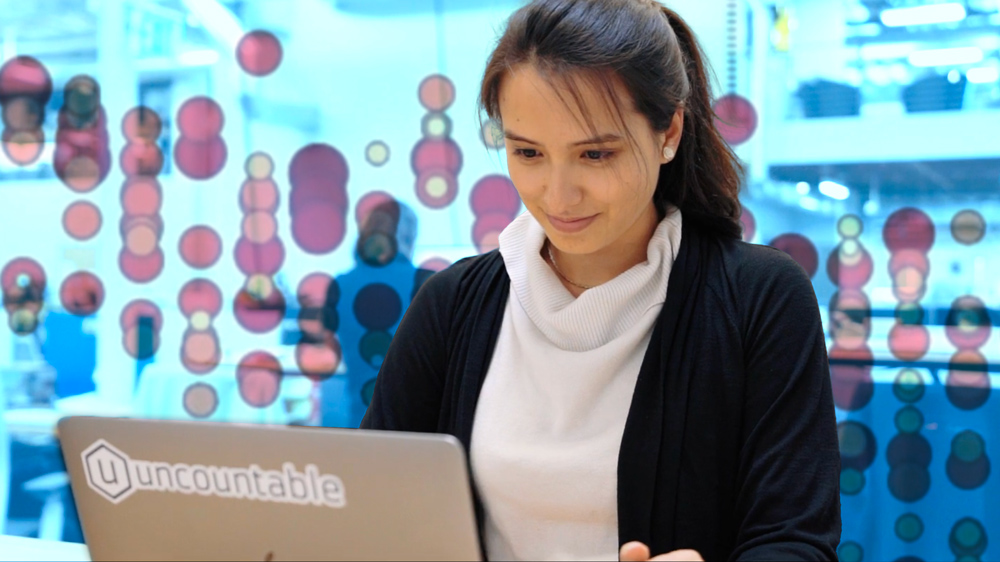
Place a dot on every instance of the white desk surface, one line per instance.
(20, 548)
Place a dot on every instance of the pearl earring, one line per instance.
(668, 153)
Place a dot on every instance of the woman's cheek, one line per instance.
(526, 184)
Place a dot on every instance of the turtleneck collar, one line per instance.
(601, 314)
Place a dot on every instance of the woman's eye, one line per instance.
(597, 155)
(526, 152)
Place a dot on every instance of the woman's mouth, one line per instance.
(570, 225)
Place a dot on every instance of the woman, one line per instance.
(628, 377)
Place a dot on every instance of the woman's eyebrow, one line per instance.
(599, 139)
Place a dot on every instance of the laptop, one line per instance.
(184, 490)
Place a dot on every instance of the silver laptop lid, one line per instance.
(159, 490)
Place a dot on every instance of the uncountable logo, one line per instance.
(114, 475)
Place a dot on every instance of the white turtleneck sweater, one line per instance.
(551, 415)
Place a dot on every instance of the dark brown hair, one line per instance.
(648, 49)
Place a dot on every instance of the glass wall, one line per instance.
(220, 210)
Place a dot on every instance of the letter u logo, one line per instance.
(104, 476)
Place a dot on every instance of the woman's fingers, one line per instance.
(634, 551)
(679, 555)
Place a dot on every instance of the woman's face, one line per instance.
(587, 190)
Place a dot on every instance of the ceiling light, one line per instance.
(834, 190)
(923, 15)
(946, 57)
(983, 75)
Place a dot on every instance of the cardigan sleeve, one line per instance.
(408, 389)
(788, 487)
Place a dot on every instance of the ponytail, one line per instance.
(704, 179)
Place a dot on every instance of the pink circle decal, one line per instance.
(198, 159)
(915, 259)
(200, 400)
(853, 386)
(318, 229)
(25, 76)
(436, 92)
(853, 275)
(141, 159)
(141, 269)
(141, 196)
(23, 147)
(489, 226)
(735, 118)
(79, 170)
(259, 53)
(320, 162)
(200, 118)
(21, 113)
(969, 324)
(200, 295)
(140, 307)
(312, 289)
(82, 293)
(265, 258)
(443, 154)
(309, 194)
(495, 194)
(130, 342)
(141, 124)
(259, 315)
(372, 200)
(258, 377)
(908, 229)
(200, 247)
(318, 361)
(909, 342)
(436, 188)
(259, 227)
(21, 273)
(82, 220)
(200, 353)
(259, 195)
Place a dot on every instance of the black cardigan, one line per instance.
(730, 445)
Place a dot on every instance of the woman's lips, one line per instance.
(570, 226)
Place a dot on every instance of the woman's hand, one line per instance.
(637, 552)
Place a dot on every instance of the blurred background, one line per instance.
(220, 210)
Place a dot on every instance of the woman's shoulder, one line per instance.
(762, 289)
(757, 260)
(752, 271)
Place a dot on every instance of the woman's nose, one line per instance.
(563, 189)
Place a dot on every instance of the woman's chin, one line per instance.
(576, 245)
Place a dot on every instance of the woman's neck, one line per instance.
(577, 271)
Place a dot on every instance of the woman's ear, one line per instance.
(672, 138)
